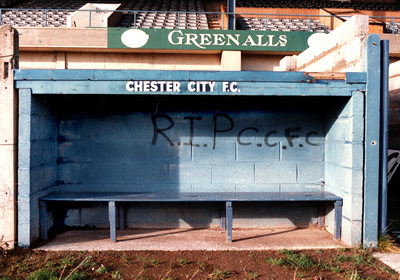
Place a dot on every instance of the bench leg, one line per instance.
(338, 219)
(43, 220)
(121, 208)
(229, 221)
(112, 217)
(223, 216)
(321, 214)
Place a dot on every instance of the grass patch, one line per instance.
(182, 261)
(42, 274)
(77, 276)
(251, 274)
(220, 274)
(102, 269)
(387, 244)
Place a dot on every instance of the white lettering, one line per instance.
(212, 84)
(225, 86)
(154, 86)
(169, 86)
(271, 43)
(162, 84)
(230, 38)
(177, 86)
(205, 39)
(146, 85)
(282, 40)
(192, 38)
(260, 37)
(129, 86)
(190, 86)
(180, 39)
(138, 86)
(233, 87)
(250, 40)
(219, 39)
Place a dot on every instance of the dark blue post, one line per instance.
(231, 14)
(384, 135)
(229, 221)
(43, 220)
(372, 66)
(113, 224)
(338, 219)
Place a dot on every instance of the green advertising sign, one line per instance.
(187, 39)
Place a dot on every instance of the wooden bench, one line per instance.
(116, 200)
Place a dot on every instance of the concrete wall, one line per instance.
(37, 160)
(8, 136)
(112, 146)
(338, 51)
(344, 150)
(341, 51)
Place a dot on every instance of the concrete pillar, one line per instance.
(231, 61)
(61, 62)
(338, 51)
(8, 136)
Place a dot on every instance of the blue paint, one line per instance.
(151, 143)
(372, 65)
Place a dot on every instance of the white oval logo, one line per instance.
(316, 39)
(134, 38)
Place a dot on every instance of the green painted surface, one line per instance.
(185, 39)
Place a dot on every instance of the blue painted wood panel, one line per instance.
(127, 75)
(185, 88)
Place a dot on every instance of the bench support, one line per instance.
(229, 221)
(43, 220)
(338, 219)
(223, 216)
(112, 215)
(226, 203)
(121, 209)
(321, 214)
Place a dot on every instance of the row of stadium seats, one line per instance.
(165, 20)
(392, 28)
(320, 4)
(58, 18)
(275, 24)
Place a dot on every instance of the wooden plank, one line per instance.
(146, 75)
(188, 196)
(327, 88)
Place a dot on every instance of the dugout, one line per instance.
(194, 131)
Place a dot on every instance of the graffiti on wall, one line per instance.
(291, 133)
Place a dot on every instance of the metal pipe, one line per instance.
(384, 119)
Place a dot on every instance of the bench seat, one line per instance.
(116, 199)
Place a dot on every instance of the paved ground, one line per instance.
(193, 239)
(390, 259)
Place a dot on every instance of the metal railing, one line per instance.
(219, 15)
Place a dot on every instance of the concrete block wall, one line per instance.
(338, 51)
(344, 153)
(270, 145)
(37, 161)
(8, 137)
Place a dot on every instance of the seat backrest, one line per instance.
(393, 163)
